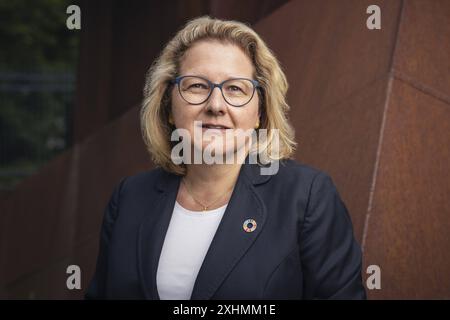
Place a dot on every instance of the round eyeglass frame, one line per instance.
(212, 86)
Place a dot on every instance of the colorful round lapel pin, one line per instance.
(249, 225)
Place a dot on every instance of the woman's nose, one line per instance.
(216, 102)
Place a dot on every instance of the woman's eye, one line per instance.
(198, 86)
(234, 88)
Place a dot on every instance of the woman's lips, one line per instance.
(214, 130)
(214, 126)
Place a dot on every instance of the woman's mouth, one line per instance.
(214, 127)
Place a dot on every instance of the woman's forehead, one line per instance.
(216, 60)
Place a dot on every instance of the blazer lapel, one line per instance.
(152, 232)
(228, 246)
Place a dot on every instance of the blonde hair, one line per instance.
(156, 105)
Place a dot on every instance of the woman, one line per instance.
(223, 229)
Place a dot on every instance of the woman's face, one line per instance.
(216, 62)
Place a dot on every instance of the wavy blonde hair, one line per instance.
(156, 105)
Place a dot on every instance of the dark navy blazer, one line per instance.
(302, 248)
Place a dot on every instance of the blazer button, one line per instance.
(249, 225)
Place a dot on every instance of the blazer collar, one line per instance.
(229, 244)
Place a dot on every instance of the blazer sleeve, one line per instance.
(97, 286)
(331, 257)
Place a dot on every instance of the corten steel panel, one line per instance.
(39, 225)
(337, 71)
(93, 93)
(423, 54)
(344, 143)
(327, 51)
(112, 153)
(5, 212)
(45, 283)
(408, 228)
(50, 282)
(249, 11)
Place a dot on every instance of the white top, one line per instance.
(185, 246)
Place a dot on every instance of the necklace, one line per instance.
(205, 207)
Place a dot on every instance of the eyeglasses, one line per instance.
(196, 90)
